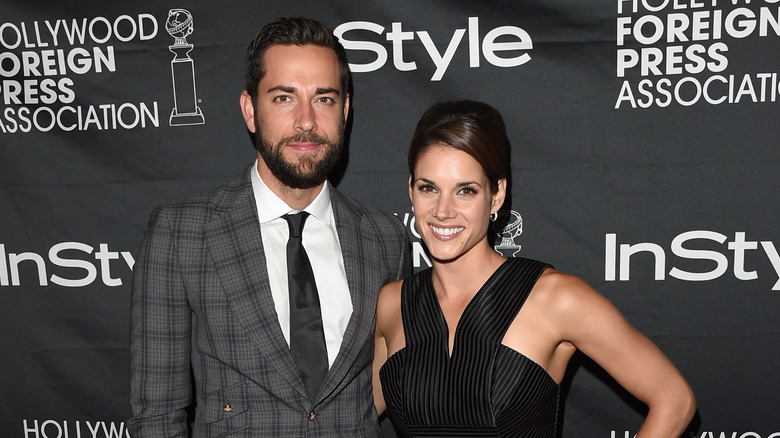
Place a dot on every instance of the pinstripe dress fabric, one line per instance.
(484, 389)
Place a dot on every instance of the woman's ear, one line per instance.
(499, 196)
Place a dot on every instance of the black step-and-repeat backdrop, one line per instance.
(645, 160)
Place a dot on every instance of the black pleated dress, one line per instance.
(484, 389)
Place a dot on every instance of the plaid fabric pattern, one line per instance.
(205, 338)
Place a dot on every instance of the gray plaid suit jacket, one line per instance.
(204, 328)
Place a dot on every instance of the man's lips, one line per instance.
(304, 147)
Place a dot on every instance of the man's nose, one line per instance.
(306, 120)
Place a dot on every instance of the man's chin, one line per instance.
(302, 175)
(302, 168)
(303, 182)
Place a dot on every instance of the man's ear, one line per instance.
(346, 107)
(248, 110)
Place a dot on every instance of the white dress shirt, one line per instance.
(321, 242)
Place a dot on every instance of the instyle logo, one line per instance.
(515, 46)
(419, 257)
(80, 261)
(731, 253)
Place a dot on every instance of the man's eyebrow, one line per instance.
(329, 90)
(282, 88)
(291, 90)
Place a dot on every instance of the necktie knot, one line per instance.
(296, 222)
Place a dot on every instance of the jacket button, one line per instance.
(311, 415)
(227, 408)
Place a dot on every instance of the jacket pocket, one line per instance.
(225, 410)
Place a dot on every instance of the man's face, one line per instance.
(299, 116)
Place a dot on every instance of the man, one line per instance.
(212, 321)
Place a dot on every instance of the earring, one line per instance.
(494, 216)
(412, 208)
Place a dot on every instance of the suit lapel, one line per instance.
(359, 264)
(236, 246)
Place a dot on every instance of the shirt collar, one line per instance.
(271, 207)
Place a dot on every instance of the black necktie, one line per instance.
(307, 337)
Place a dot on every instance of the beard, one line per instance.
(310, 170)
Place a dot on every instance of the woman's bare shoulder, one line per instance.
(391, 292)
(559, 288)
(388, 308)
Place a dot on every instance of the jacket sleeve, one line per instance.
(405, 259)
(161, 384)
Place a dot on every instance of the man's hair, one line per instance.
(291, 31)
(475, 128)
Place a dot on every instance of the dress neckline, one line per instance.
(442, 321)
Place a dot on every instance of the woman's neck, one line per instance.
(464, 276)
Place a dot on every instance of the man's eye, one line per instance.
(282, 99)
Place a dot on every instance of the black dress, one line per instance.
(484, 389)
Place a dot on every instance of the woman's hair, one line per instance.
(291, 32)
(475, 128)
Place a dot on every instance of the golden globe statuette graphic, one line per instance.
(185, 110)
(508, 227)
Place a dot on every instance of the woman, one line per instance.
(478, 345)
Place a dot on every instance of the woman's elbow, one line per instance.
(679, 406)
(688, 403)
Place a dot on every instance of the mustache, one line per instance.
(305, 137)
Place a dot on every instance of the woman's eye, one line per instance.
(468, 191)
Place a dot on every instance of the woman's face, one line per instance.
(452, 201)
